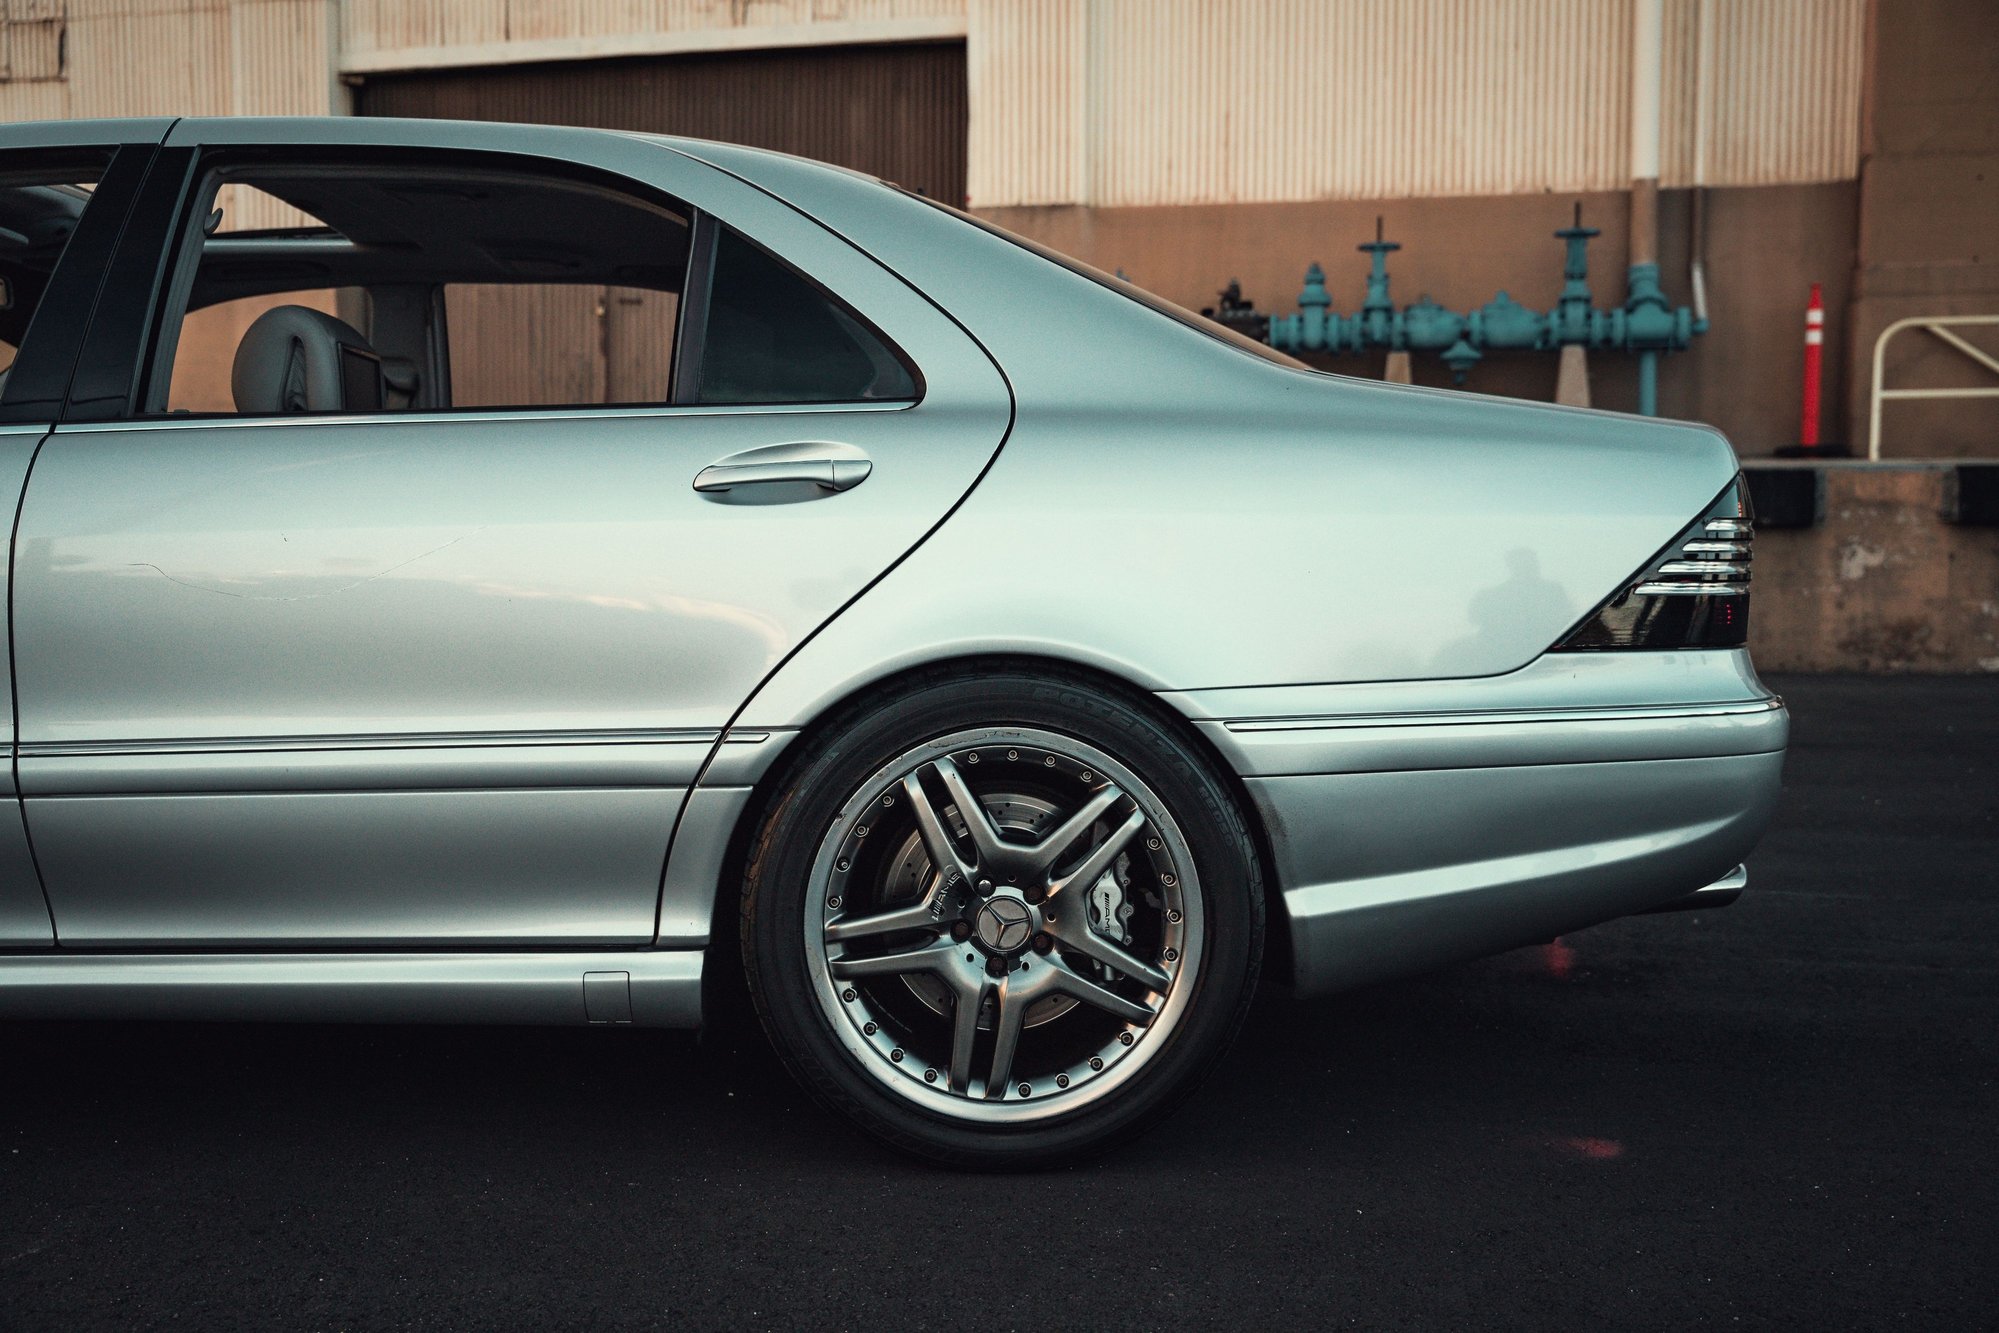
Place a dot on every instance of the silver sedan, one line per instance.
(479, 573)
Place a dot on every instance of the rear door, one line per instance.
(64, 192)
(443, 675)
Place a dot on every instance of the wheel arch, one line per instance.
(723, 986)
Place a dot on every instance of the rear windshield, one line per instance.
(1158, 304)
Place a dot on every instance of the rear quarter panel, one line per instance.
(1193, 517)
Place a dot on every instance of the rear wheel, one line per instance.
(1002, 920)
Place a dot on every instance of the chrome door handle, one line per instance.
(827, 464)
(833, 474)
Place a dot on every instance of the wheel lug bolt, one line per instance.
(1096, 1062)
(848, 995)
(985, 887)
(1172, 955)
(1036, 895)
(1061, 1080)
(870, 1029)
(1125, 1037)
(929, 1076)
(1025, 1091)
(1042, 944)
(960, 931)
(896, 1055)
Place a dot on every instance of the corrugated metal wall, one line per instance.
(894, 111)
(1114, 102)
(1070, 101)
(372, 26)
(181, 58)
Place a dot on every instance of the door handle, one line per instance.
(833, 474)
(829, 466)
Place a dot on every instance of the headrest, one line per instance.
(290, 361)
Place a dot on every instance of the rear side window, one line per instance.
(775, 337)
(411, 282)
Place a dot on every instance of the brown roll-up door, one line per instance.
(898, 112)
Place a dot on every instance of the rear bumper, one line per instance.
(1386, 874)
(1420, 824)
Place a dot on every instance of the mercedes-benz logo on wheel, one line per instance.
(1005, 924)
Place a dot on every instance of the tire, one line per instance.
(1027, 989)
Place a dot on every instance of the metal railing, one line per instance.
(1939, 326)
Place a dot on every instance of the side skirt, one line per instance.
(646, 988)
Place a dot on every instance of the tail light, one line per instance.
(1694, 595)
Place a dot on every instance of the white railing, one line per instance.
(1938, 325)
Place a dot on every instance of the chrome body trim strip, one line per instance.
(537, 988)
(381, 762)
(619, 413)
(1553, 681)
(1486, 716)
(1396, 742)
(380, 741)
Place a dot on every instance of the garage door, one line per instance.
(897, 112)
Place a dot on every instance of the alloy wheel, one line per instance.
(1003, 925)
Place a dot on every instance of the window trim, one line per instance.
(46, 363)
(158, 237)
(210, 421)
(126, 332)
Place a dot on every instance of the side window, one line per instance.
(370, 283)
(39, 212)
(775, 337)
(201, 376)
(424, 284)
(551, 344)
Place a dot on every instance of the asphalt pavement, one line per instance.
(1779, 1114)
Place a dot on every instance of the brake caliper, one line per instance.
(1109, 910)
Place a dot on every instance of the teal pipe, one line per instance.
(1647, 325)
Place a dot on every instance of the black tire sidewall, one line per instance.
(823, 776)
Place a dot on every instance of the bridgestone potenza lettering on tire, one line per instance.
(1002, 919)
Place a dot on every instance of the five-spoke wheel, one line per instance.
(1042, 890)
(1001, 941)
